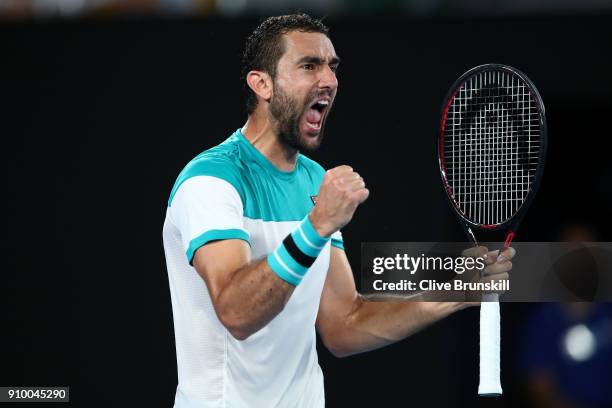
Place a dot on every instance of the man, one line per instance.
(253, 245)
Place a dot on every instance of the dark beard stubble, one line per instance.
(287, 113)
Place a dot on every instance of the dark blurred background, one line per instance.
(104, 101)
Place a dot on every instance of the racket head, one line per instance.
(485, 108)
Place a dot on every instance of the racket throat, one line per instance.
(509, 238)
(472, 236)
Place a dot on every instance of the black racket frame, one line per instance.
(511, 224)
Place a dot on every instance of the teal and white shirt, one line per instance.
(233, 192)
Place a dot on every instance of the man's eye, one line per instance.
(308, 67)
(334, 68)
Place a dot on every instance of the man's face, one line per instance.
(304, 89)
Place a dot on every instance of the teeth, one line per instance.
(325, 103)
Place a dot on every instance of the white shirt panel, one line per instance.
(205, 203)
(276, 366)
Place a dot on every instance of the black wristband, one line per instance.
(295, 252)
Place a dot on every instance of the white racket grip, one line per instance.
(490, 383)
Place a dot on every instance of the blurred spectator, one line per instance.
(566, 355)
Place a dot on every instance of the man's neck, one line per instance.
(259, 131)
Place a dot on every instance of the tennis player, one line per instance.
(253, 246)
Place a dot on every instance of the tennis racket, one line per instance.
(491, 149)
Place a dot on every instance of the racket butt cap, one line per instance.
(490, 390)
(490, 395)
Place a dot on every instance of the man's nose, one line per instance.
(328, 78)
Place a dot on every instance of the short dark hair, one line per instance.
(265, 46)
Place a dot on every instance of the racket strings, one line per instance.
(491, 145)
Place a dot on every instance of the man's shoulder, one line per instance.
(312, 166)
(222, 161)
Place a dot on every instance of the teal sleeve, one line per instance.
(338, 243)
(214, 235)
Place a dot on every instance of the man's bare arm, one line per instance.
(350, 324)
(246, 295)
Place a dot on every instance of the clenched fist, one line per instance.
(341, 192)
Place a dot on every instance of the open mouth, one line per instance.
(316, 113)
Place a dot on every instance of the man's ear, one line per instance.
(261, 83)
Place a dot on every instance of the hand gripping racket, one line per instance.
(491, 151)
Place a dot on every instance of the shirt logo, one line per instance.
(314, 199)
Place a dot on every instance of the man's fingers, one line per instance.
(498, 267)
(475, 252)
(360, 195)
(495, 256)
(491, 257)
(506, 254)
(340, 170)
(356, 184)
(350, 177)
